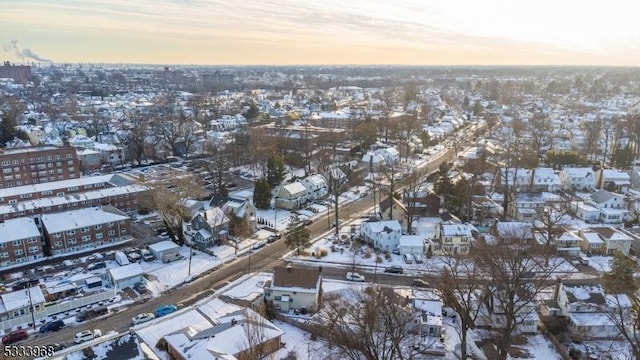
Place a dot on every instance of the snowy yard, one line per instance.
(600, 263)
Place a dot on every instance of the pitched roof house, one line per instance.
(294, 289)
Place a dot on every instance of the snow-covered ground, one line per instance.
(600, 263)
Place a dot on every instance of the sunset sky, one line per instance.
(429, 32)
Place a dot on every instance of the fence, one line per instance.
(57, 308)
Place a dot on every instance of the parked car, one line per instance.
(394, 269)
(139, 287)
(147, 255)
(418, 258)
(273, 238)
(52, 326)
(142, 318)
(396, 251)
(420, 283)
(307, 222)
(165, 310)
(408, 258)
(354, 276)
(259, 245)
(92, 313)
(55, 347)
(86, 335)
(15, 336)
(96, 266)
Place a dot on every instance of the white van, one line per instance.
(121, 258)
(408, 258)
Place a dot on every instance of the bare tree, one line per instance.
(414, 194)
(217, 164)
(549, 219)
(254, 328)
(462, 285)
(518, 275)
(371, 324)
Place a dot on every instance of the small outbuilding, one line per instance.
(126, 276)
(164, 250)
(411, 244)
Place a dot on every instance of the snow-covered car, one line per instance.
(354, 276)
(142, 318)
(86, 335)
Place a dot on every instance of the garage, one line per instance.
(165, 251)
(411, 244)
(126, 276)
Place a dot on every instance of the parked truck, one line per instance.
(167, 258)
(121, 258)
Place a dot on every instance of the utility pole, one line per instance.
(33, 316)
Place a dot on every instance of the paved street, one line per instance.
(263, 260)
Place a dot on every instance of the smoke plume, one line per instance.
(25, 53)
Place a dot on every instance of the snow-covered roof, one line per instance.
(20, 299)
(514, 229)
(54, 201)
(18, 229)
(125, 272)
(610, 174)
(75, 219)
(578, 171)
(456, 229)
(380, 226)
(54, 185)
(163, 246)
(295, 188)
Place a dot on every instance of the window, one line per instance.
(85, 229)
(57, 235)
(6, 163)
(18, 252)
(57, 157)
(99, 236)
(4, 255)
(72, 188)
(110, 225)
(16, 169)
(6, 171)
(69, 156)
(13, 201)
(32, 240)
(98, 227)
(86, 238)
(49, 157)
(17, 242)
(112, 232)
(34, 250)
(60, 194)
(71, 232)
(48, 192)
(57, 244)
(3, 245)
(71, 241)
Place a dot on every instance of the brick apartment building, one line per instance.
(39, 164)
(82, 229)
(20, 242)
(19, 73)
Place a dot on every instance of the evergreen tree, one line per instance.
(253, 112)
(623, 157)
(262, 194)
(620, 279)
(443, 185)
(7, 130)
(276, 171)
(297, 235)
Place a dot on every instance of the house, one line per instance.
(390, 155)
(452, 238)
(428, 306)
(392, 209)
(614, 240)
(110, 154)
(316, 186)
(20, 242)
(291, 196)
(225, 337)
(509, 230)
(18, 303)
(241, 205)
(372, 160)
(577, 179)
(81, 141)
(492, 313)
(411, 244)
(611, 205)
(383, 235)
(513, 178)
(126, 276)
(294, 288)
(544, 179)
(421, 203)
(567, 244)
(591, 242)
(81, 229)
(587, 213)
(587, 307)
(613, 180)
(211, 227)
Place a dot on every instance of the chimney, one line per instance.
(233, 322)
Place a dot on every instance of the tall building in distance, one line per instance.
(19, 73)
(35, 165)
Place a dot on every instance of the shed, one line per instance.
(126, 276)
(164, 249)
(411, 244)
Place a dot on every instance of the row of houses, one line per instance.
(298, 193)
(568, 179)
(29, 239)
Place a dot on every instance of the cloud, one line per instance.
(25, 53)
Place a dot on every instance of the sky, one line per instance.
(306, 32)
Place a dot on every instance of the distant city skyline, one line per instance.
(331, 32)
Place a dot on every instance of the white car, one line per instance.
(142, 318)
(354, 276)
(86, 335)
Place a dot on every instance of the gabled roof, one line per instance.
(384, 226)
(586, 294)
(602, 196)
(75, 219)
(295, 188)
(296, 277)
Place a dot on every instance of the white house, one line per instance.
(372, 159)
(82, 142)
(411, 244)
(611, 205)
(588, 307)
(294, 288)
(544, 179)
(614, 240)
(428, 306)
(452, 239)
(613, 179)
(390, 154)
(384, 235)
(512, 177)
(291, 196)
(587, 213)
(577, 179)
(316, 186)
